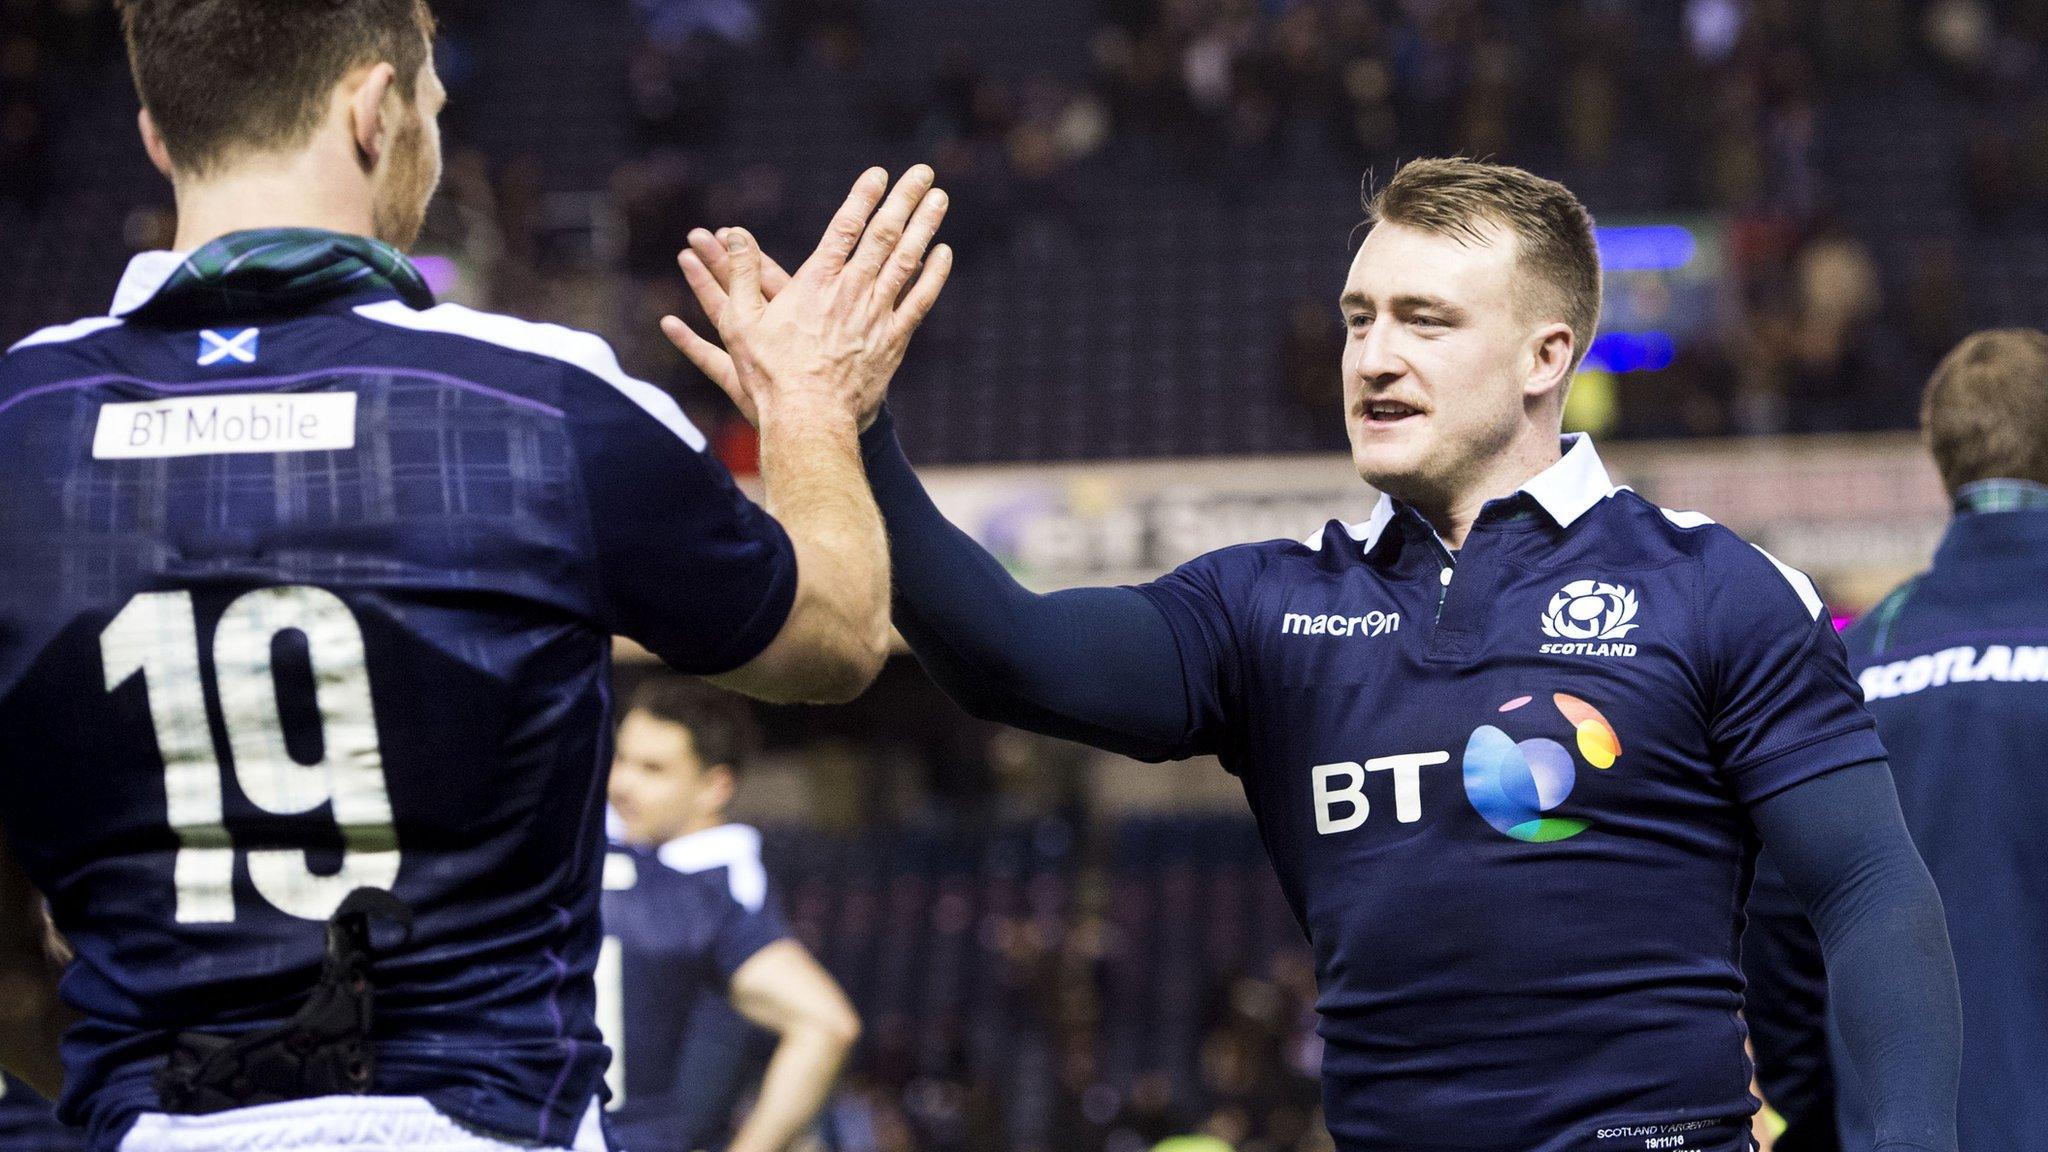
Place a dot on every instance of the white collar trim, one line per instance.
(733, 847)
(146, 275)
(712, 848)
(1566, 490)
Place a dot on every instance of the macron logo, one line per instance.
(1370, 624)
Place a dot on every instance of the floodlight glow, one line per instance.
(1645, 248)
(1632, 351)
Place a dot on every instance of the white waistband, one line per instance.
(332, 1124)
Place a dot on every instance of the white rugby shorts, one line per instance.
(334, 1124)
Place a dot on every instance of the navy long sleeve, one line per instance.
(1786, 1004)
(1097, 665)
(1842, 846)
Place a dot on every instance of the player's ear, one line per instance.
(720, 783)
(153, 143)
(370, 117)
(1551, 349)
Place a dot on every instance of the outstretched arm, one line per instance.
(1096, 665)
(1843, 848)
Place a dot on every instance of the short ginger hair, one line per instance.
(1555, 245)
(1985, 411)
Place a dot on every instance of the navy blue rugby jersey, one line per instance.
(1504, 792)
(324, 599)
(28, 1123)
(679, 921)
(1954, 666)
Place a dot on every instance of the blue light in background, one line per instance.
(1645, 248)
(1632, 351)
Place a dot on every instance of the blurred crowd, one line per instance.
(1255, 1086)
(1719, 108)
(1735, 111)
(1710, 106)
(44, 47)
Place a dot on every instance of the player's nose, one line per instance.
(1374, 359)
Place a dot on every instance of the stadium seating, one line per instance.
(1134, 302)
(922, 926)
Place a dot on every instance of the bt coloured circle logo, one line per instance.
(1512, 784)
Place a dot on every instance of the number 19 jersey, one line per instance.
(315, 600)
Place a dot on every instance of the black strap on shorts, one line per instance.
(323, 1050)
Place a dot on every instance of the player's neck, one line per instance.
(294, 191)
(1504, 475)
(700, 824)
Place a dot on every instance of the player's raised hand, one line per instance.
(834, 332)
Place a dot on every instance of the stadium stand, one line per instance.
(1036, 986)
(1154, 198)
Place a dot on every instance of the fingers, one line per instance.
(711, 360)
(773, 278)
(909, 254)
(743, 288)
(708, 286)
(710, 250)
(925, 293)
(849, 222)
(886, 228)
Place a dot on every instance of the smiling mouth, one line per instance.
(1385, 413)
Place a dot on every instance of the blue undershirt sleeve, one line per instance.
(1842, 846)
(1786, 1005)
(1096, 665)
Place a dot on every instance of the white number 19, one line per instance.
(157, 636)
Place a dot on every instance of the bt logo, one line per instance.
(1510, 783)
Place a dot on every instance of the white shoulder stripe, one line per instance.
(733, 847)
(1687, 519)
(1808, 594)
(583, 349)
(1800, 582)
(65, 333)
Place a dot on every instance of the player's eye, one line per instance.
(1360, 322)
(1427, 322)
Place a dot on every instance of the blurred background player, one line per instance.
(1475, 992)
(28, 1123)
(1954, 666)
(707, 972)
(323, 662)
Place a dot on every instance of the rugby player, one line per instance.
(1511, 741)
(307, 591)
(704, 960)
(1954, 666)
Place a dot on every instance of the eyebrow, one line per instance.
(1411, 302)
